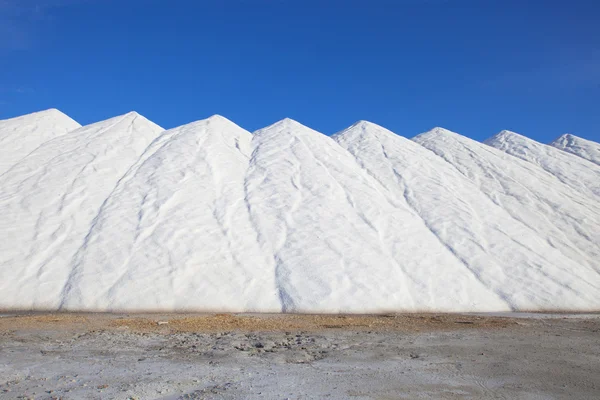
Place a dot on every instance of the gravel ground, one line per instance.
(184, 356)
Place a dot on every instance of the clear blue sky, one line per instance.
(472, 66)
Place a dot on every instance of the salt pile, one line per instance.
(123, 215)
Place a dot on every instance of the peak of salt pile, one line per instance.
(21, 135)
(583, 148)
(573, 171)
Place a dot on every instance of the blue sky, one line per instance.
(472, 66)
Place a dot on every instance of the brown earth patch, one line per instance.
(172, 323)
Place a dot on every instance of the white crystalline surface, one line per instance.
(176, 233)
(510, 258)
(573, 171)
(50, 200)
(121, 215)
(20, 136)
(339, 243)
(566, 219)
(580, 147)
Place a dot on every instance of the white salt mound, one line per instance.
(49, 204)
(122, 215)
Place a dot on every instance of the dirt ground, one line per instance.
(274, 356)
